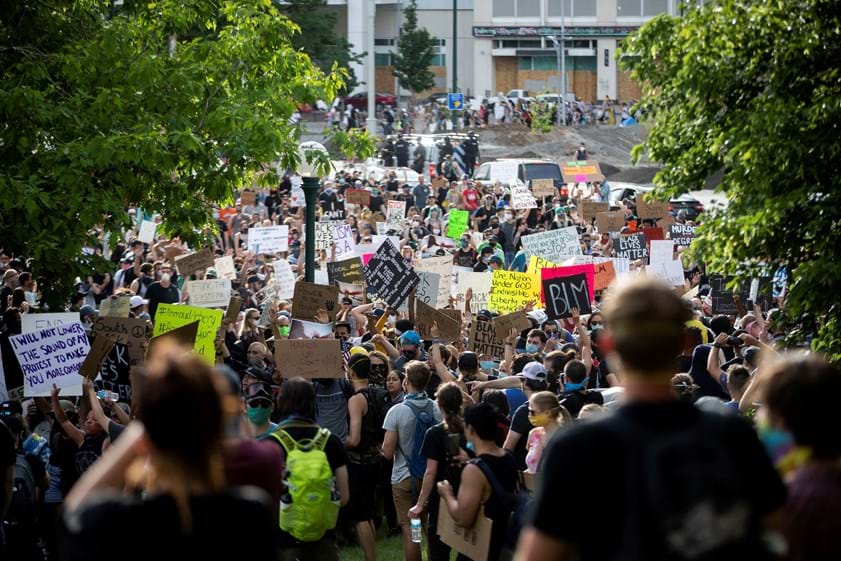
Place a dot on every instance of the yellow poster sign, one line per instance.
(511, 291)
(171, 316)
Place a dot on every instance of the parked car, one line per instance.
(508, 171)
(440, 98)
(514, 95)
(621, 191)
(360, 100)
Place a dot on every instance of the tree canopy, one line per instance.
(98, 113)
(753, 89)
(414, 53)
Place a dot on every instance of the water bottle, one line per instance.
(416, 530)
(103, 394)
(37, 446)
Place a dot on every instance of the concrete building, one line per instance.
(506, 44)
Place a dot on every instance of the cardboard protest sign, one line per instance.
(184, 336)
(358, 197)
(669, 272)
(480, 284)
(581, 171)
(590, 209)
(374, 218)
(651, 209)
(114, 373)
(352, 291)
(348, 270)
(233, 309)
(554, 245)
(323, 236)
(192, 262)
(681, 234)
(427, 289)
(395, 212)
(431, 324)
(612, 221)
(522, 198)
(721, 296)
(115, 306)
(225, 268)
(173, 251)
(131, 332)
(147, 231)
(344, 242)
(483, 340)
(457, 225)
(51, 356)
(443, 267)
(564, 293)
(474, 542)
(266, 240)
(567, 271)
(100, 347)
(438, 182)
(661, 251)
(511, 291)
(543, 187)
(604, 274)
(309, 358)
(389, 276)
(300, 329)
(209, 293)
(631, 246)
(248, 198)
(37, 322)
(310, 297)
(284, 279)
(653, 234)
(515, 320)
(171, 316)
(537, 263)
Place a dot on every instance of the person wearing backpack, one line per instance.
(674, 482)
(405, 425)
(315, 479)
(363, 451)
(491, 480)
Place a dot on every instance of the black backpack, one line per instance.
(685, 496)
(517, 503)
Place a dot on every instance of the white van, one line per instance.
(508, 171)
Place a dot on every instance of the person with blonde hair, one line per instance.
(546, 414)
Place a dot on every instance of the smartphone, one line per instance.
(453, 444)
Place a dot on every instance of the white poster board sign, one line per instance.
(50, 357)
(209, 293)
(268, 239)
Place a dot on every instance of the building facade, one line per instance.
(508, 44)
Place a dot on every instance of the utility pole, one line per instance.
(371, 122)
(455, 46)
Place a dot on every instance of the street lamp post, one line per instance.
(562, 78)
(309, 174)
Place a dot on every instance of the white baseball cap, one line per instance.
(137, 301)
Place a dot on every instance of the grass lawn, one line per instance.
(388, 549)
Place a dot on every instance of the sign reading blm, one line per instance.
(565, 293)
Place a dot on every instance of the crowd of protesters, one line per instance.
(651, 428)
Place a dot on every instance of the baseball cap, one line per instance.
(496, 259)
(137, 301)
(534, 371)
(9, 274)
(358, 351)
(258, 391)
(410, 337)
(87, 310)
(259, 373)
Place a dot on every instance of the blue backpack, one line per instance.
(424, 419)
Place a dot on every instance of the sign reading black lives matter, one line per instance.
(565, 293)
(389, 276)
(631, 247)
(681, 234)
(115, 373)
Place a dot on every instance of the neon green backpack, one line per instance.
(314, 505)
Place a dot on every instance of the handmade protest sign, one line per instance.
(309, 298)
(590, 209)
(395, 212)
(389, 276)
(358, 197)
(612, 221)
(427, 289)
(631, 246)
(457, 224)
(432, 324)
(184, 336)
(248, 198)
(437, 182)
(565, 293)
(344, 242)
(721, 296)
(348, 270)
(115, 373)
(543, 187)
(309, 358)
(515, 320)
(473, 542)
(209, 293)
(100, 347)
(284, 279)
(36, 322)
(51, 356)
(581, 171)
(669, 272)
(192, 262)
(268, 239)
(171, 316)
(173, 251)
(554, 245)
(296, 195)
(146, 234)
(225, 268)
(569, 270)
(651, 209)
(511, 291)
(653, 234)
(443, 267)
(115, 306)
(233, 309)
(603, 274)
(480, 284)
(352, 291)
(131, 332)
(522, 198)
(483, 339)
(300, 329)
(661, 251)
(681, 234)
(323, 236)
(537, 263)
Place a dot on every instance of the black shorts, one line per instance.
(363, 480)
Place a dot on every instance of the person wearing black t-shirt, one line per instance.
(534, 380)
(575, 395)
(673, 482)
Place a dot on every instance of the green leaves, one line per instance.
(753, 89)
(414, 53)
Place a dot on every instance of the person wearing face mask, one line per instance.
(546, 414)
(575, 394)
(465, 255)
(411, 348)
(259, 406)
(483, 264)
(536, 341)
(533, 378)
(482, 216)
(162, 292)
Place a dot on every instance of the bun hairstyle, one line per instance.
(360, 365)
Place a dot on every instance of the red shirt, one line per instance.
(471, 198)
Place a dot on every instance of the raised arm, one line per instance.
(71, 430)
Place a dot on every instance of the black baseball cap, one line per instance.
(257, 391)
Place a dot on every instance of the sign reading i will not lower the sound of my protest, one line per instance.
(51, 356)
